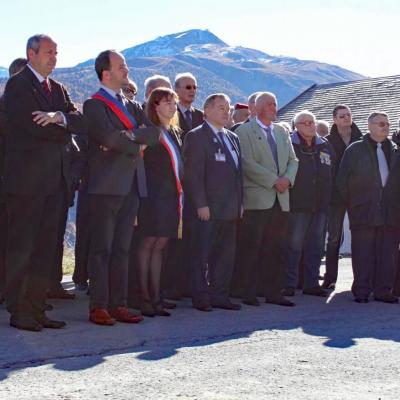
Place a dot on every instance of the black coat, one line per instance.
(197, 119)
(339, 148)
(111, 172)
(36, 157)
(208, 182)
(312, 189)
(359, 183)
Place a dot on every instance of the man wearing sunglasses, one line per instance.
(186, 89)
(309, 205)
(368, 181)
(343, 132)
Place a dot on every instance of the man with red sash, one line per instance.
(115, 141)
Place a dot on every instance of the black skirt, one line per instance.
(158, 217)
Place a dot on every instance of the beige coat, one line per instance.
(259, 169)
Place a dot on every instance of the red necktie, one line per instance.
(46, 88)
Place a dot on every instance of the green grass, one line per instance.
(68, 261)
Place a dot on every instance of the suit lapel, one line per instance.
(38, 90)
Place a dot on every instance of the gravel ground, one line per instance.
(321, 349)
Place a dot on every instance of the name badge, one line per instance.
(325, 158)
(220, 157)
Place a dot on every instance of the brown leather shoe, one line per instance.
(100, 316)
(25, 323)
(46, 322)
(122, 314)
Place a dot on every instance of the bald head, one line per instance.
(266, 107)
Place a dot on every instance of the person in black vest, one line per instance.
(213, 192)
(309, 203)
(343, 132)
(115, 140)
(368, 182)
(40, 120)
(160, 211)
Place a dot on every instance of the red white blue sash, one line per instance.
(117, 107)
(177, 165)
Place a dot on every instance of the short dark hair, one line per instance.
(102, 62)
(340, 107)
(212, 97)
(17, 65)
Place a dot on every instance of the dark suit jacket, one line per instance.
(208, 182)
(359, 183)
(111, 172)
(2, 141)
(197, 119)
(36, 158)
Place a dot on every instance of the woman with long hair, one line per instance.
(159, 212)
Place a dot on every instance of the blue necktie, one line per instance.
(272, 145)
(188, 117)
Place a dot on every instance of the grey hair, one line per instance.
(323, 122)
(375, 114)
(212, 97)
(301, 114)
(262, 96)
(33, 42)
(153, 81)
(183, 75)
(252, 97)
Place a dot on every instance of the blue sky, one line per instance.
(358, 35)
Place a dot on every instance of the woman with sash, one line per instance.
(160, 212)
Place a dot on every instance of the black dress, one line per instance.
(159, 211)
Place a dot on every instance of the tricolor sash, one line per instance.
(177, 165)
(117, 107)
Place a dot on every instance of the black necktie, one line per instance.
(188, 117)
(119, 98)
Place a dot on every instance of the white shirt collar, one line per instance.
(214, 129)
(265, 126)
(38, 76)
(111, 92)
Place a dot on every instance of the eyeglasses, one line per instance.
(381, 124)
(129, 91)
(189, 87)
(347, 115)
(307, 123)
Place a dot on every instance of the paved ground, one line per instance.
(321, 349)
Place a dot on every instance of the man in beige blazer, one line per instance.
(269, 170)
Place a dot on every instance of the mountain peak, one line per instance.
(174, 43)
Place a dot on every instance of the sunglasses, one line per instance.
(189, 87)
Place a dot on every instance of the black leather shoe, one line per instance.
(227, 306)
(280, 301)
(168, 304)
(288, 291)
(147, 309)
(50, 323)
(315, 291)
(361, 301)
(251, 302)
(328, 285)
(48, 307)
(26, 324)
(203, 307)
(388, 298)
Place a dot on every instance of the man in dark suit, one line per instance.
(213, 189)
(343, 132)
(186, 89)
(40, 117)
(114, 146)
(368, 181)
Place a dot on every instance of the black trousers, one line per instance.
(374, 260)
(335, 234)
(261, 253)
(3, 242)
(57, 271)
(33, 226)
(82, 239)
(212, 260)
(111, 227)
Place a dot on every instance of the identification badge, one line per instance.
(325, 158)
(220, 157)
